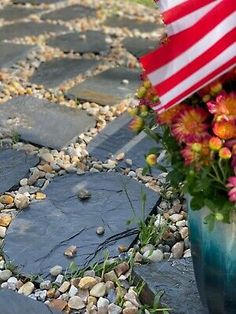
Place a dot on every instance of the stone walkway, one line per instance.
(68, 72)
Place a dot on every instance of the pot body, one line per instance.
(214, 260)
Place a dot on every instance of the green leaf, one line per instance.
(197, 202)
(210, 221)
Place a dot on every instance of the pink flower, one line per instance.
(232, 186)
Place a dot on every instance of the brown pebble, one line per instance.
(71, 251)
(5, 220)
(58, 304)
(6, 199)
(40, 196)
(122, 248)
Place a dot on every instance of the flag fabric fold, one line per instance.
(201, 47)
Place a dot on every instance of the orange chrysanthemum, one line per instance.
(225, 129)
(190, 125)
(225, 105)
(169, 115)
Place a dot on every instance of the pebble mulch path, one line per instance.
(68, 69)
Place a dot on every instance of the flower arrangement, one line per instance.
(199, 137)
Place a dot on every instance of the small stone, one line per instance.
(46, 285)
(130, 310)
(111, 296)
(110, 276)
(6, 199)
(56, 270)
(21, 201)
(121, 269)
(24, 182)
(40, 196)
(5, 220)
(99, 290)
(155, 256)
(84, 194)
(5, 275)
(126, 82)
(58, 304)
(59, 279)
(102, 305)
(64, 287)
(51, 293)
(178, 250)
(46, 168)
(90, 273)
(11, 283)
(27, 288)
(92, 300)
(176, 217)
(181, 223)
(184, 232)
(83, 294)
(100, 230)
(47, 157)
(147, 248)
(120, 156)
(131, 297)
(76, 303)
(87, 282)
(41, 295)
(2, 264)
(129, 162)
(187, 253)
(122, 248)
(71, 251)
(2, 231)
(72, 292)
(114, 309)
(138, 258)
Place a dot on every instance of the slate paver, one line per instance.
(14, 165)
(176, 279)
(35, 2)
(11, 53)
(53, 73)
(11, 12)
(107, 88)
(14, 303)
(139, 46)
(22, 29)
(117, 138)
(90, 41)
(63, 220)
(124, 22)
(70, 13)
(44, 123)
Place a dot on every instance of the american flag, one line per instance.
(201, 46)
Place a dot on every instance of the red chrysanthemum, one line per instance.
(190, 125)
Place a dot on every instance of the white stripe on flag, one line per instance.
(169, 4)
(166, 71)
(189, 20)
(222, 58)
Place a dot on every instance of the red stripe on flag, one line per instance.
(188, 38)
(200, 84)
(184, 9)
(197, 63)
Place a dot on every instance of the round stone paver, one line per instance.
(49, 227)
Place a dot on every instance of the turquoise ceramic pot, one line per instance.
(214, 260)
